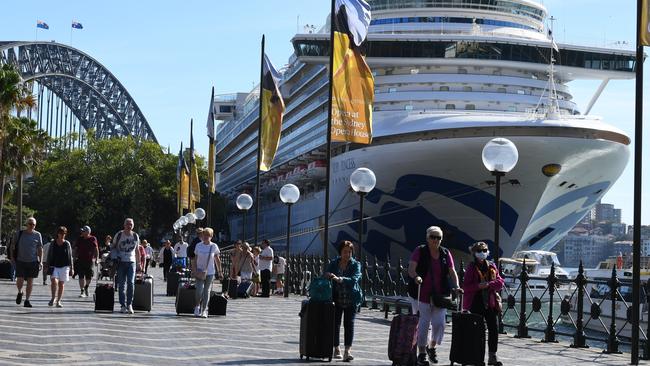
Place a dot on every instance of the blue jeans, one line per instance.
(348, 325)
(202, 293)
(126, 275)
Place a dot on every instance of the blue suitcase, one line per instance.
(244, 289)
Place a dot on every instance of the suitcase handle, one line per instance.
(418, 299)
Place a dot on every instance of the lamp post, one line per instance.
(289, 194)
(500, 155)
(244, 203)
(363, 181)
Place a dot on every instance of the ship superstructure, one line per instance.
(449, 76)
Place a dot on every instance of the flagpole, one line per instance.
(259, 146)
(71, 32)
(189, 191)
(214, 170)
(638, 151)
(329, 137)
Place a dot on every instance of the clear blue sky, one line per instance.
(169, 54)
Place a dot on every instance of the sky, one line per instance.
(169, 54)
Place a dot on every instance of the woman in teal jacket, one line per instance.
(345, 273)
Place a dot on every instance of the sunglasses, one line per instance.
(482, 250)
(435, 237)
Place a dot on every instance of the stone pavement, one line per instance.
(256, 331)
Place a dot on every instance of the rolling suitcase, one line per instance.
(104, 297)
(317, 330)
(185, 298)
(467, 339)
(244, 289)
(403, 338)
(143, 293)
(173, 278)
(5, 269)
(217, 304)
(232, 288)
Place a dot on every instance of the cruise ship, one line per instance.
(449, 77)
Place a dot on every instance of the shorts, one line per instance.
(27, 269)
(61, 273)
(85, 269)
(246, 276)
(279, 276)
(256, 277)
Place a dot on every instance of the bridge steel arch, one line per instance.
(92, 93)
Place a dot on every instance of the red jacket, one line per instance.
(471, 282)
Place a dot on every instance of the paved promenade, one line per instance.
(256, 331)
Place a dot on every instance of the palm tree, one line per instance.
(24, 149)
(14, 96)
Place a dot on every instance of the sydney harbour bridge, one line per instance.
(75, 92)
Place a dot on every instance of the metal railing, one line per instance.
(580, 309)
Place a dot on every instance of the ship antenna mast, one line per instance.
(554, 105)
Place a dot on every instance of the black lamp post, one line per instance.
(363, 181)
(244, 203)
(289, 194)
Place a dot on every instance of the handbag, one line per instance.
(444, 302)
(200, 275)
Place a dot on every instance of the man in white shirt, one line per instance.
(265, 266)
(181, 250)
(124, 250)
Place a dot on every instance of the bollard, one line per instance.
(549, 332)
(522, 329)
(612, 340)
(579, 338)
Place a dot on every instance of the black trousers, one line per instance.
(266, 282)
(490, 316)
(166, 267)
(146, 264)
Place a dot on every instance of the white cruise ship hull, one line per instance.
(442, 182)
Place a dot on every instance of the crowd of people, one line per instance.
(431, 270)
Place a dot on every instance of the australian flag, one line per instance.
(42, 24)
(77, 25)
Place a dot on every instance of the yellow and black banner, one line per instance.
(212, 184)
(353, 86)
(644, 32)
(270, 115)
(196, 188)
(183, 190)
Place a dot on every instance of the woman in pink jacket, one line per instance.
(482, 284)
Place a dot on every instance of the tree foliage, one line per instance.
(108, 181)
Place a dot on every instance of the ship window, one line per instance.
(512, 108)
(521, 92)
(225, 109)
(501, 90)
(444, 88)
(408, 107)
(392, 90)
(467, 88)
(462, 71)
(450, 106)
(470, 107)
(376, 90)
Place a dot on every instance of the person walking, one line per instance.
(482, 284)
(148, 251)
(265, 267)
(142, 257)
(206, 266)
(46, 248)
(432, 267)
(279, 265)
(181, 250)
(87, 253)
(235, 254)
(246, 263)
(345, 273)
(166, 257)
(256, 270)
(59, 261)
(26, 255)
(125, 251)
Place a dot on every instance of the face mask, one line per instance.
(481, 255)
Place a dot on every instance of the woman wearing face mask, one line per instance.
(482, 284)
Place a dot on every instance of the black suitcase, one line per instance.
(5, 269)
(143, 293)
(104, 297)
(232, 288)
(467, 339)
(173, 278)
(185, 298)
(244, 289)
(317, 330)
(217, 304)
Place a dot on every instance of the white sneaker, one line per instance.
(123, 309)
(130, 309)
(204, 314)
(337, 353)
(58, 304)
(82, 294)
(197, 311)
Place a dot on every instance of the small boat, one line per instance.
(538, 265)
